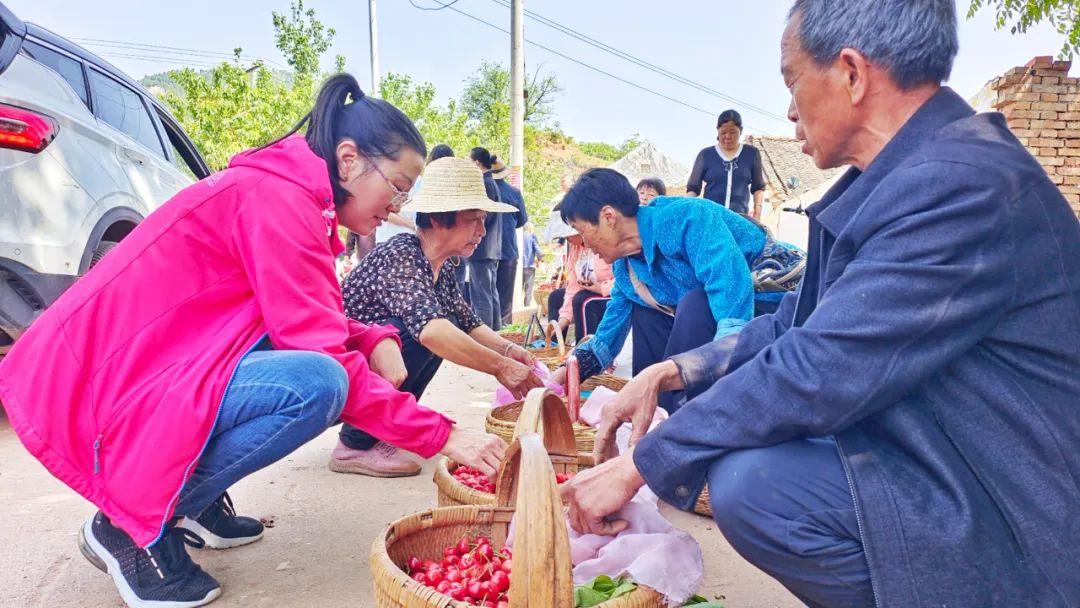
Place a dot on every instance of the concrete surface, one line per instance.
(317, 552)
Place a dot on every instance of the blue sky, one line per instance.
(731, 47)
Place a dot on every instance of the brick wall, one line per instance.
(1042, 106)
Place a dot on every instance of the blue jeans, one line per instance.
(788, 510)
(484, 291)
(275, 402)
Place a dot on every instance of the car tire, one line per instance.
(100, 251)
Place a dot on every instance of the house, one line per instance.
(647, 160)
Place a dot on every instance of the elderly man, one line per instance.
(904, 430)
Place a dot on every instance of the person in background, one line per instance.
(589, 281)
(681, 268)
(530, 258)
(407, 283)
(404, 222)
(903, 431)
(650, 188)
(506, 273)
(731, 170)
(484, 262)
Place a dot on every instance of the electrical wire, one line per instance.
(137, 46)
(643, 63)
(582, 63)
(424, 8)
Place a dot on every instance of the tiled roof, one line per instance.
(782, 159)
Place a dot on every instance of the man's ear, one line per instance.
(855, 70)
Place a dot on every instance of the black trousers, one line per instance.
(504, 283)
(421, 365)
(658, 336)
(589, 308)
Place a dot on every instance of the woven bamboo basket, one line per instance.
(542, 413)
(542, 575)
(516, 337)
(551, 356)
(610, 381)
(502, 420)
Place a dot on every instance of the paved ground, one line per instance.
(317, 553)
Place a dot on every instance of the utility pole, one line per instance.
(517, 92)
(517, 116)
(373, 29)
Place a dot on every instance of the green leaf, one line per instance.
(586, 597)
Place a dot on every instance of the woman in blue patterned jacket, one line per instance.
(682, 270)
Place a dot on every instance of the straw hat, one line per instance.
(454, 184)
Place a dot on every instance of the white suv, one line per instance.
(85, 154)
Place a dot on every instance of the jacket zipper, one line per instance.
(858, 516)
(97, 446)
(191, 465)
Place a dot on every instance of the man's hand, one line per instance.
(386, 361)
(518, 378)
(636, 404)
(594, 494)
(756, 213)
(480, 451)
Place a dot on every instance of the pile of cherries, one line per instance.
(476, 480)
(470, 571)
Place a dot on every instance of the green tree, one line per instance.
(233, 107)
(1019, 15)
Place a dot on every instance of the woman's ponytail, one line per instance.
(343, 111)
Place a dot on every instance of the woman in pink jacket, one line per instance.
(211, 343)
(588, 283)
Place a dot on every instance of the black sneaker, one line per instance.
(161, 576)
(220, 527)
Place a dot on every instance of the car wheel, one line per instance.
(100, 251)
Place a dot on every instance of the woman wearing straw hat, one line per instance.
(408, 282)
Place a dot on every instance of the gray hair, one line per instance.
(915, 40)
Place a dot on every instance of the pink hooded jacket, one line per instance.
(116, 387)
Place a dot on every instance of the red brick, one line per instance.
(1072, 161)
(1072, 181)
(1069, 133)
(1046, 151)
(1057, 162)
(1051, 80)
(1051, 97)
(1063, 66)
(1023, 132)
(1059, 180)
(1044, 143)
(1069, 152)
(1070, 189)
(1072, 143)
(1012, 115)
(1070, 116)
(1043, 72)
(1032, 97)
(1049, 134)
(1073, 171)
(1058, 124)
(1040, 60)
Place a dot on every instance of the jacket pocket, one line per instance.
(101, 440)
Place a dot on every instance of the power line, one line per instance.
(582, 63)
(643, 63)
(137, 46)
(425, 8)
(172, 61)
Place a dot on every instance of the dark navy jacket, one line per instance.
(511, 221)
(490, 247)
(936, 335)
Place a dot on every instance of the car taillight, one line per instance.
(25, 130)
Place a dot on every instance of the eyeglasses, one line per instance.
(401, 197)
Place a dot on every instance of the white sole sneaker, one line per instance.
(214, 541)
(103, 560)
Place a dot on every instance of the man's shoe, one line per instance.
(383, 460)
(220, 527)
(161, 576)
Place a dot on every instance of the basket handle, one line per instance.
(545, 414)
(542, 576)
(553, 328)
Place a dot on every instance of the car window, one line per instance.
(68, 68)
(124, 109)
(184, 156)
